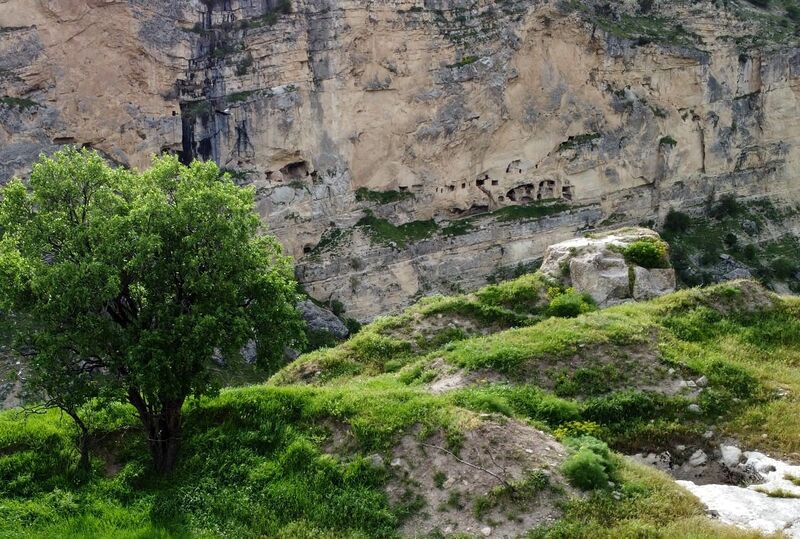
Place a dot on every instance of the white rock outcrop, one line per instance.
(596, 265)
(767, 506)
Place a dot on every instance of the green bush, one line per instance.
(716, 402)
(591, 466)
(317, 339)
(536, 404)
(726, 206)
(647, 253)
(677, 221)
(738, 381)
(784, 268)
(576, 429)
(524, 294)
(594, 380)
(622, 406)
(570, 303)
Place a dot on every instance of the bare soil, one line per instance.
(493, 454)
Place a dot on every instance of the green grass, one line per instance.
(744, 354)
(364, 194)
(795, 480)
(391, 342)
(384, 232)
(256, 461)
(252, 465)
(777, 493)
(240, 97)
(646, 504)
(577, 141)
(21, 103)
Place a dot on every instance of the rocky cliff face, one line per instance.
(398, 146)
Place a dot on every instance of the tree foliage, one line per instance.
(133, 281)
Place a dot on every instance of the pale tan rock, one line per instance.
(467, 109)
(597, 266)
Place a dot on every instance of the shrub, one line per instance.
(575, 429)
(570, 303)
(352, 325)
(534, 403)
(726, 206)
(317, 339)
(622, 406)
(524, 294)
(647, 253)
(677, 221)
(738, 381)
(591, 466)
(337, 307)
(784, 268)
(668, 141)
(594, 380)
(715, 402)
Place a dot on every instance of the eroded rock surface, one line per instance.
(597, 265)
(455, 114)
(321, 319)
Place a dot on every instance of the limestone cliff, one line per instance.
(398, 146)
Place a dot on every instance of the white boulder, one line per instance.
(597, 266)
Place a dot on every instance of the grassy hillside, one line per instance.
(363, 440)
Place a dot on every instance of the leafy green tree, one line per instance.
(134, 281)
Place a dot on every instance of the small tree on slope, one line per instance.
(133, 280)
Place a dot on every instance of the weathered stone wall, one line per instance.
(464, 106)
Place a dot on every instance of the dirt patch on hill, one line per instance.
(602, 368)
(435, 330)
(503, 480)
(449, 377)
(593, 370)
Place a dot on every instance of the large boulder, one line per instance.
(320, 319)
(597, 265)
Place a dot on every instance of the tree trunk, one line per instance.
(83, 441)
(162, 426)
(83, 447)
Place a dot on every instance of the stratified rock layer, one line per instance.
(458, 108)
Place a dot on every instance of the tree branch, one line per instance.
(471, 465)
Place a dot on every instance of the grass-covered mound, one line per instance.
(370, 449)
(393, 341)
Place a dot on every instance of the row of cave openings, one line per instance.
(529, 191)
